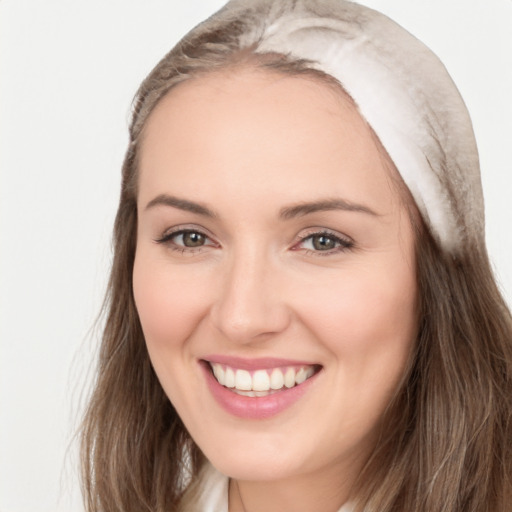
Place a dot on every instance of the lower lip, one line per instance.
(256, 408)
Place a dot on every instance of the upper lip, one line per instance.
(259, 363)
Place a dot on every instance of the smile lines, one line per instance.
(261, 382)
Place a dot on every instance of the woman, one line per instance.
(301, 313)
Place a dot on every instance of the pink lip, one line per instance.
(262, 363)
(255, 408)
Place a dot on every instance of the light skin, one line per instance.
(233, 159)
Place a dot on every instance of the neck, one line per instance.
(318, 491)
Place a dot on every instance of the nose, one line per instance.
(251, 302)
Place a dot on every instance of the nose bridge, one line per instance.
(250, 302)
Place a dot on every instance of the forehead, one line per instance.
(260, 131)
(254, 93)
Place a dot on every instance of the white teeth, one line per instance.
(276, 379)
(243, 380)
(260, 382)
(301, 376)
(219, 373)
(289, 378)
(229, 377)
(310, 372)
(253, 393)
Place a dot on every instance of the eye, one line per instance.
(190, 239)
(185, 239)
(324, 242)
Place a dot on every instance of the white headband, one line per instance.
(400, 87)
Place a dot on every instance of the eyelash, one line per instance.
(341, 244)
(167, 239)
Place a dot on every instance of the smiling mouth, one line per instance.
(264, 382)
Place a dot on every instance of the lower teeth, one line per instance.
(254, 393)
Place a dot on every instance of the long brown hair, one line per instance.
(445, 441)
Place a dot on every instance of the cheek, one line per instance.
(169, 308)
(368, 322)
(358, 303)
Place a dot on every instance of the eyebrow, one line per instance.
(181, 204)
(286, 213)
(301, 209)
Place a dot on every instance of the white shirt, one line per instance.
(214, 497)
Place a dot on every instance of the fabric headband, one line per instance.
(400, 87)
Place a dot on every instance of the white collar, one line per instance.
(214, 494)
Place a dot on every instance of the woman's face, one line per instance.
(272, 247)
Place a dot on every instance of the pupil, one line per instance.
(323, 243)
(193, 239)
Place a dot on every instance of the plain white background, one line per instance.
(68, 72)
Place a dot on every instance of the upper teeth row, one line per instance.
(261, 380)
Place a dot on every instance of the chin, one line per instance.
(254, 470)
(263, 458)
